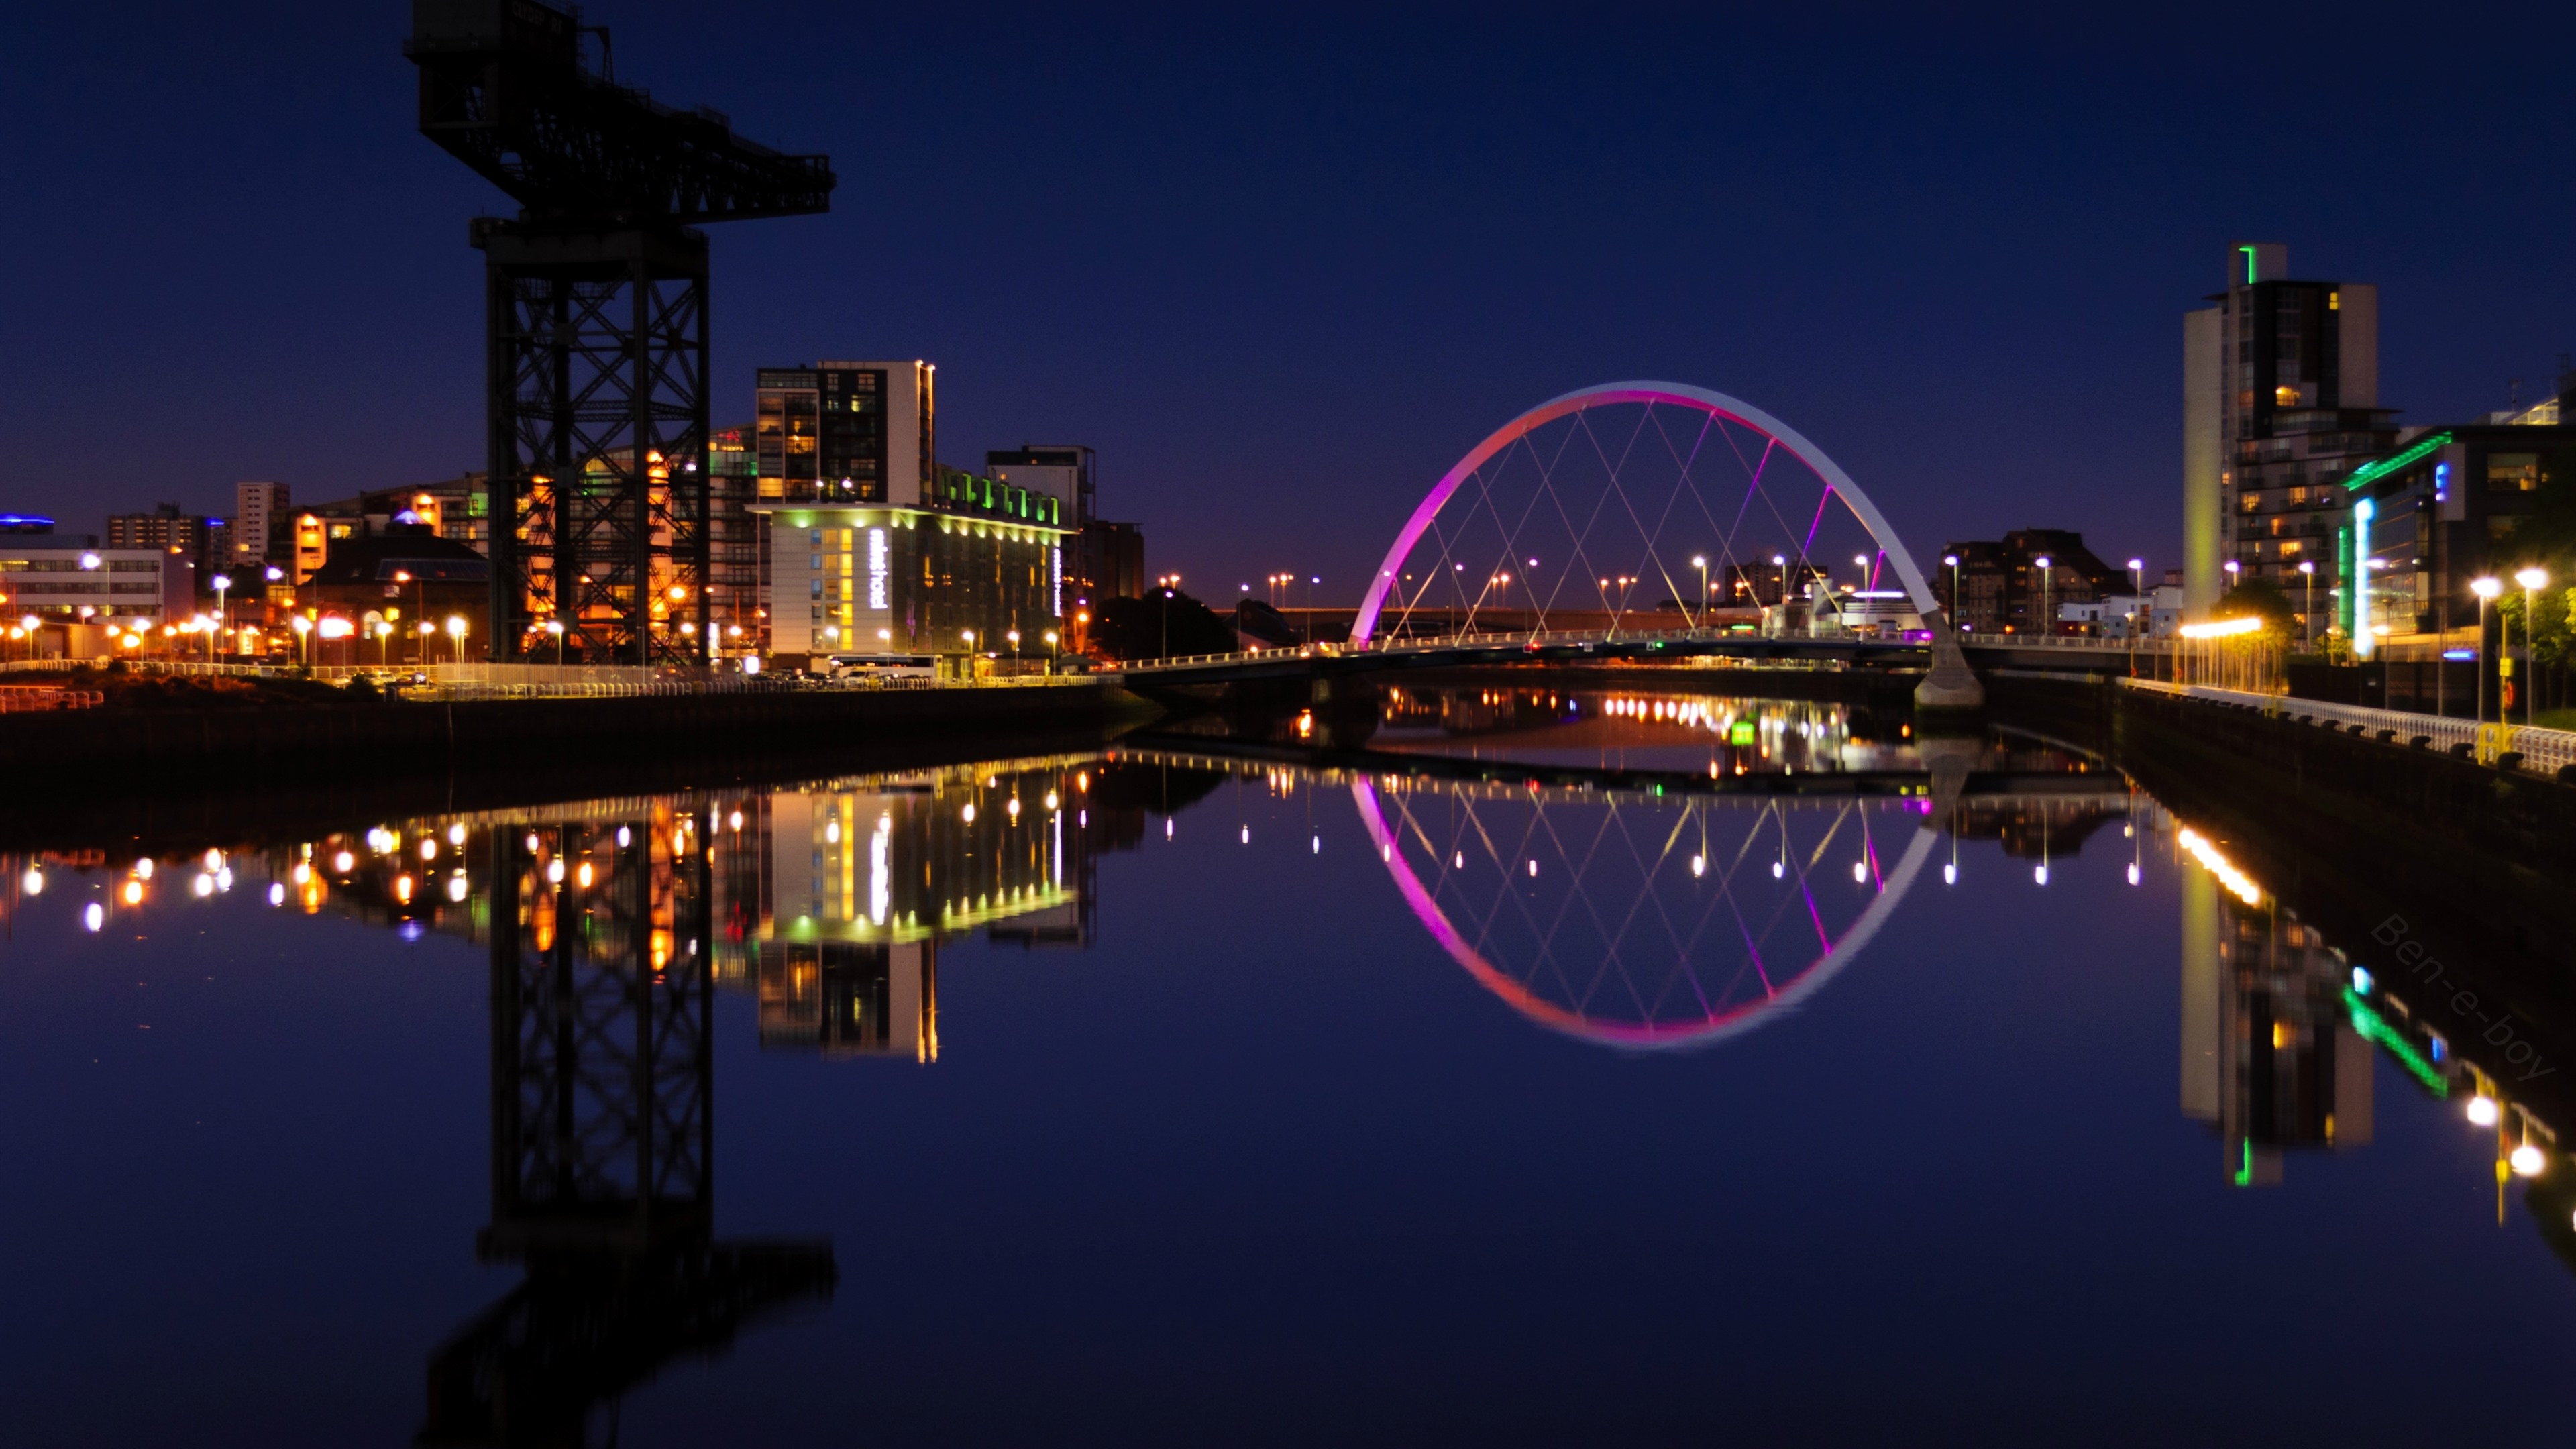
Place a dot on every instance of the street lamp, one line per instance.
(223, 584)
(556, 628)
(2045, 564)
(1700, 562)
(1951, 560)
(2486, 588)
(303, 638)
(2531, 579)
(2137, 576)
(1049, 637)
(2308, 619)
(456, 631)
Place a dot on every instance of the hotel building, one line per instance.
(875, 550)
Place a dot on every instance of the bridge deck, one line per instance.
(2069, 654)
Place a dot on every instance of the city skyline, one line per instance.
(1302, 262)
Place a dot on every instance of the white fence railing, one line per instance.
(2543, 751)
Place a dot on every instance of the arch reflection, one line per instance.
(1653, 962)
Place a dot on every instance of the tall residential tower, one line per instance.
(2280, 402)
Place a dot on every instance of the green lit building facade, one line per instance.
(2427, 517)
(960, 574)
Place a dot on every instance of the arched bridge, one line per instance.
(1639, 521)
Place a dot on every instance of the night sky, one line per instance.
(1282, 267)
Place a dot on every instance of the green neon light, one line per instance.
(2245, 1174)
(2386, 466)
(1740, 732)
(2249, 264)
(2371, 1028)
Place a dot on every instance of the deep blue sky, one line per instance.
(1282, 267)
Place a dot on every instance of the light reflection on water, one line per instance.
(1681, 870)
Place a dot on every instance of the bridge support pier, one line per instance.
(1952, 685)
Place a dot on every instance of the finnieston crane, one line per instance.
(600, 504)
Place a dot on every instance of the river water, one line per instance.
(1636, 1066)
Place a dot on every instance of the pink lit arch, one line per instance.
(1717, 405)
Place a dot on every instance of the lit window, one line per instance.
(2286, 396)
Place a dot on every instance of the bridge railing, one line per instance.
(2542, 751)
(1508, 639)
(2088, 643)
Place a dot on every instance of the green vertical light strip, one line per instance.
(2359, 584)
(2245, 1174)
(2249, 264)
(2343, 573)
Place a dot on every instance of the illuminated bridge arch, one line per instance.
(1590, 503)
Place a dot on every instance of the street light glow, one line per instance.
(2486, 588)
(2221, 628)
(2532, 578)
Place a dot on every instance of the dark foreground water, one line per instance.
(1189, 1093)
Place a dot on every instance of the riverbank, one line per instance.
(2401, 856)
(121, 775)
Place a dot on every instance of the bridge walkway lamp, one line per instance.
(2047, 567)
(2308, 619)
(1951, 562)
(2138, 595)
(2486, 588)
(2532, 579)
(556, 628)
(1699, 561)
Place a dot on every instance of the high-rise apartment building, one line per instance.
(263, 522)
(2280, 402)
(847, 432)
(205, 543)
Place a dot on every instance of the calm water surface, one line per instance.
(1741, 1068)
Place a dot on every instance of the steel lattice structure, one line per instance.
(596, 323)
(602, 1068)
(597, 454)
(602, 1140)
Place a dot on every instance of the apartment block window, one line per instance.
(2513, 472)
